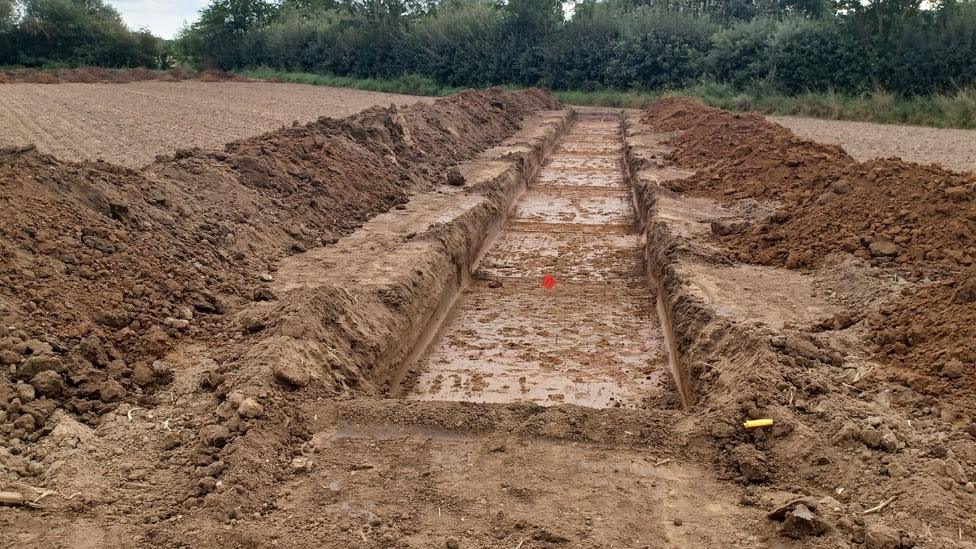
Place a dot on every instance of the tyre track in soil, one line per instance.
(18, 111)
(59, 125)
(67, 122)
(132, 108)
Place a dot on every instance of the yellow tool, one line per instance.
(752, 424)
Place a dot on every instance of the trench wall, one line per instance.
(355, 315)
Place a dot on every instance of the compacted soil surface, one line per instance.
(489, 321)
(131, 123)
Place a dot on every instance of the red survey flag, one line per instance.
(548, 282)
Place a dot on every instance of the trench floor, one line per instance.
(594, 339)
(445, 467)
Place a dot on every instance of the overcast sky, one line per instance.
(161, 17)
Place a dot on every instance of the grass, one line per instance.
(408, 84)
(956, 110)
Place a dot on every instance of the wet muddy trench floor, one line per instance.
(479, 448)
(593, 339)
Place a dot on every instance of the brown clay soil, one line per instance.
(335, 335)
(917, 219)
(861, 353)
(131, 123)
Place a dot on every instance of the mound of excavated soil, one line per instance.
(933, 332)
(98, 75)
(104, 269)
(918, 220)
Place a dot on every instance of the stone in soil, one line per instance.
(751, 463)
(215, 435)
(292, 375)
(48, 383)
(143, 374)
(250, 408)
(880, 536)
(802, 522)
(455, 178)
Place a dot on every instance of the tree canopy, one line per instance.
(72, 32)
(903, 46)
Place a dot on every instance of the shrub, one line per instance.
(578, 53)
(816, 55)
(72, 32)
(659, 50)
(459, 46)
(929, 53)
(739, 54)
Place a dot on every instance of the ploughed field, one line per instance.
(953, 148)
(131, 123)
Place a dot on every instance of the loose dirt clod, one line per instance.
(12, 498)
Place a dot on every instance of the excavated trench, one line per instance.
(596, 338)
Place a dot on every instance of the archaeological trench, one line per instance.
(494, 321)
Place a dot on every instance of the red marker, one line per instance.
(548, 282)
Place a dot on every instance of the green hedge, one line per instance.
(790, 48)
(37, 33)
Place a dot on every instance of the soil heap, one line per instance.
(872, 401)
(919, 220)
(105, 269)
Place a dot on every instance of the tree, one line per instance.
(879, 17)
(739, 54)
(77, 32)
(218, 36)
(578, 52)
(392, 9)
(459, 46)
(7, 12)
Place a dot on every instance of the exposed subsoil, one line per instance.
(919, 220)
(107, 270)
(877, 381)
(592, 339)
(336, 335)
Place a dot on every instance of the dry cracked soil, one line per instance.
(489, 321)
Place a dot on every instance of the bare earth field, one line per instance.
(954, 149)
(131, 123)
